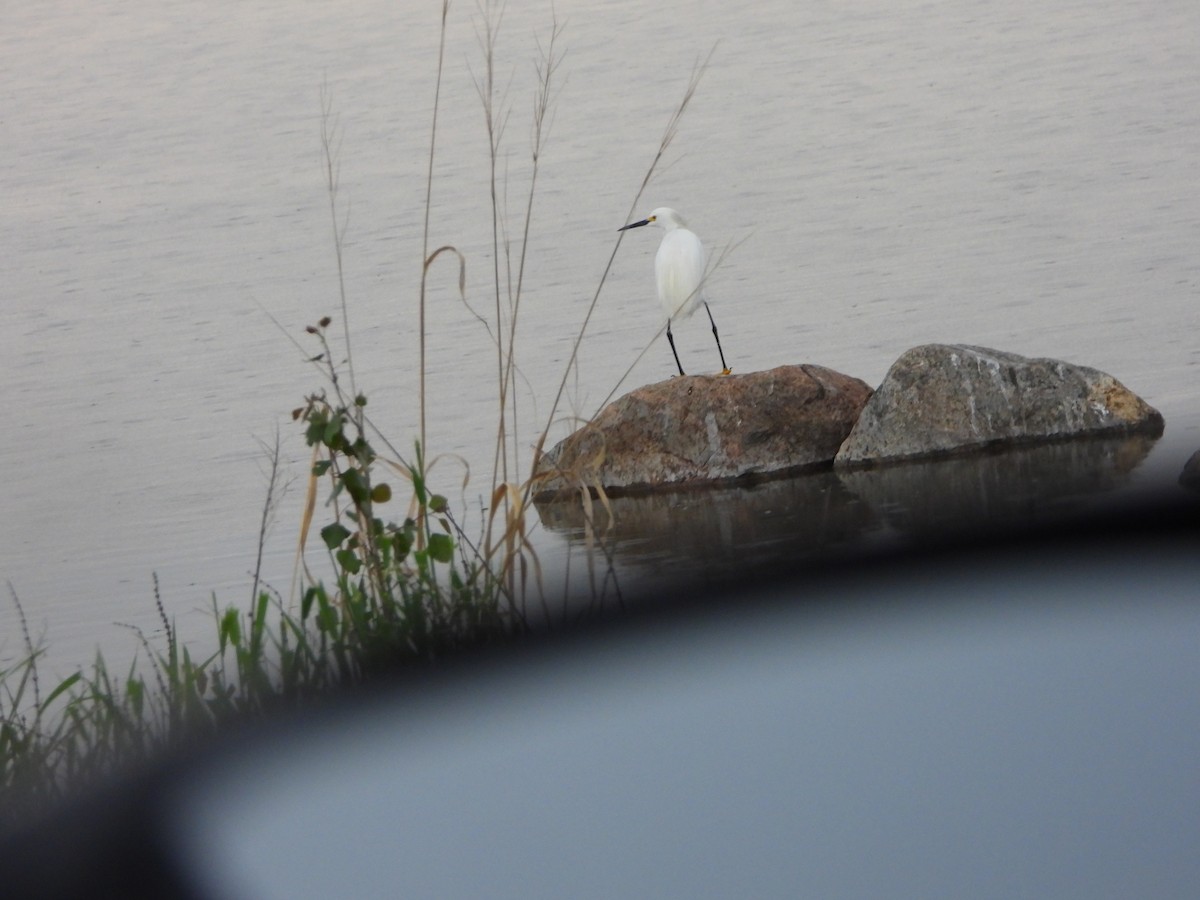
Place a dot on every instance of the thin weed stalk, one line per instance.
(331, 143)
(426, 259)
(508, 505)
(495, 114)
(547, 67)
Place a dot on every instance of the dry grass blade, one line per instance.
(306, 517)
(331, 147)
(462, 266)
(547, 66)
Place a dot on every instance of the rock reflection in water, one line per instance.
(735, 534)
(722, 534)
(1023, 484)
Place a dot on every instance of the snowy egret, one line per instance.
(679, 270)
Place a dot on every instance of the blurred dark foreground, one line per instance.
(992, 713)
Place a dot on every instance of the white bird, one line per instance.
(679, 271)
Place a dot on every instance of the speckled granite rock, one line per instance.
(696, 429)
(939, 399)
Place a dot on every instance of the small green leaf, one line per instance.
(327, 618)
(381, 493)
(321, 467)
(334, 534)
(333, 430)
(63, 686)
(349, 561)
(362, 451)
(230, 631)
(438, 503)
(260, 619)
(316, 428)
(356, 485)
(441, 548)
(402, 543)
(306, 604)
(135, 692)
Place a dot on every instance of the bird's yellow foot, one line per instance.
(725, 372)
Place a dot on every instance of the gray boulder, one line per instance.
(703, 428)
(940, 399)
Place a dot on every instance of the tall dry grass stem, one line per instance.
(495, 115)
(426, 260)
(508, 505)
(331, 145)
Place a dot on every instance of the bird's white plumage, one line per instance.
(679, 265)
(679, 270)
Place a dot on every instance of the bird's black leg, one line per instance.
(671, 338)
(724, 368)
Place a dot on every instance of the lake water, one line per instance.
(1022, 176)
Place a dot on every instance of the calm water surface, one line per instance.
(1022, 176)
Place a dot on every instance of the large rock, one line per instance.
(940, 399)
(704, 428)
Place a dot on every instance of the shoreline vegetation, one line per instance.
(409, 584)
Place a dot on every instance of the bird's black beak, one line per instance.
(634, 225)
